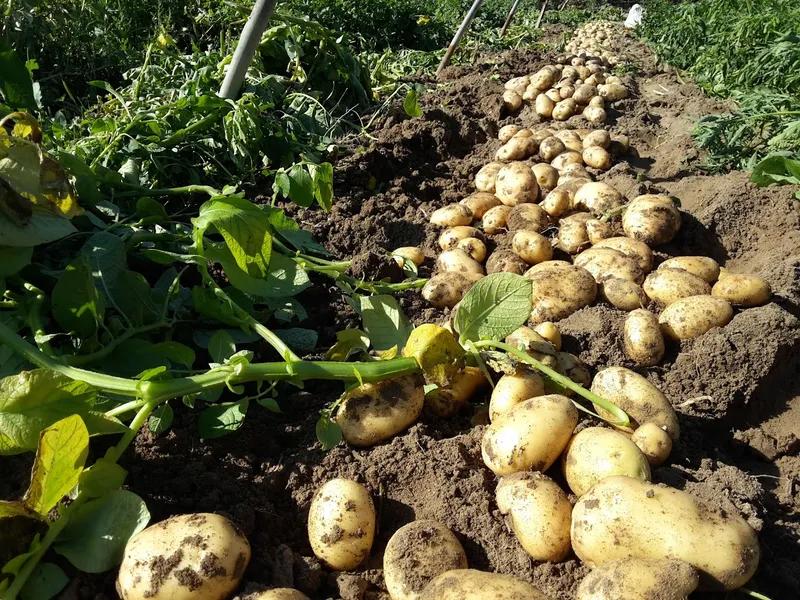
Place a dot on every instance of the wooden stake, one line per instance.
(510, 16)
(459, 34)
(541, 14)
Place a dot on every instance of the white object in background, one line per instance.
(634, 16)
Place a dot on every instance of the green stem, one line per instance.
(753, 594)
(273, 340)
(142, 72)
(201, 125)
(138, 191)
(125, 408)
(35, 318)
(79, 360)
(139, 420)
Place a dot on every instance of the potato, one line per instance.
(605, 263)
(613, 79)
(598, 230)
(445, 290)
(412, 253)
(584, 93)
(512, 389)
(507, 132)
(534, 345)
(597, 138)
(652, 219)
(638, 251)
(447, 401)
(494, 219)
(452, 215)
(644, 342)
(564, 109)
(531, 436)
(516, 148)
(597, 158)
(566, 91)
(341, 522)
(457, 260)
(468, 584)
(573, 144)
(596, 453)
(204, 549)
(280, 594)
(620, 144)
(416, 554)
(542, 134)
(554, 95)
(550, 332)
(654, 442)
(742, 290)
(479, 203)
(567, 158)
(505, 261)
(567, 134)
(693, 316)
(572, 234)
(527, 216)
(622, 517)
(544, 105)
(594, 113)
(374, 412)
(551, 147)
(516, 184)
(571, 367)
(531, 93)
(532, 247)
(485, 178)
(558, 291)
(450, 237)
(598, 198)
(556, 203)
(474, 248)
(670, 285)
(540, 514)
(517, 83)
(512, 100)
(612, 91)
(703, 267)
(546, 176)
(597, 102)
(631, 392)
(573, 171)
(640, 579)
(544, 78)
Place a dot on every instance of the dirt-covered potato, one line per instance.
(599, 230)
(558, 291)
(597, 158)
(653, 219)
(531, 436)
(639, 251)
(612, 91)
(564, 109)
(551, 147)
(544, 78)
(703, 267)
(450, 237)
(479, 203)
(530, 93)
(556, 202)
(341, 523)
(279, 594)
(512, 100)
(572, 234)
(550, 332)
(597, 102)
(475, 248)
(505, 261)
(640, 579)
(595, 453)
(568, 157)
(517, 83)
(598, 197)
(445, 290)
(572, 367)
(532, 247)
(494, 219)
(573, 144)
(412, 253)
(631, 392)
(469, 584)
(540, 514)
(452, 215)
(644, 342)
(594, 113)
(566, 91)
(670, 285)
(623, 294)
(598, 137)
(416, 554)
(693, 316)
(742, 290)
(584, 93)
(531, 217)
(544, 105)
(516, 148)
(374, 412)
(512, 389)
(567, 134)
(622, 517)
(206, 553)
(535, 345)
(507, 132)
(546, 176)
(654, 443)
(457, 260)
(516, 184)
(554, 95)
(485, 178)
(445, 402)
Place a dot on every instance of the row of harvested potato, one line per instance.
(598, 38)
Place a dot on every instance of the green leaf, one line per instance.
(151, 210)
(282, 184)
(176, 353)
(348, 342)
(133, 296)
(222, 419)
(77, 305)
(322, 177)
(16, 84)
(42, 228)
(411, 103)
(102, 477)
(776, 169)
(300, 340)
(270, 404)
(494, 307)
(13, 260)
(208, 304)
(221, 346)
(329, 433)
(131, 358)
(302, 186)
(106, 254)
(285, 278)
(384, 322)
(203, 338)
(97, 533)
(62, 452)
(161, 419)
(159, 372)
(45, 581)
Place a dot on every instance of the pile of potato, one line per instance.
(604, 39)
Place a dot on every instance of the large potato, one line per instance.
(644, 342)
(532, 247)
(505, 261)
(450, 237)
(596, 453)
(508, 131)
(742, 290)
(598, 137)
(640, 579)
(516, 148)
(512, 389)
(531, 217)
(639, 251)
(652, 219)
(485, 179)
(452, 215)
(512, 100)
(480, 202)
(564, 109)
(595, 114)
(544, 105)
(494, 219)
(468, 584)
(189, 557)
(341, 524)
(599, 230)
(622, 517)
(518, 84)
(416, 554)
(670, 285)
(623, 294)
(631, 392)
(568, 157)
(654, 443)
(447, 401)
(703, 267)
(612, 91)
(597, 158)
(544, 78)
(540, 514)
(551, 147)
(445, 290)
(516, 184)
(558, 291)
(280, 594)
(584, 93)
(374, 412)
(610, 264)
(458, 261)
(693, 316)
(572, 234)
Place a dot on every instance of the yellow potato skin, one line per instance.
(446, 402)
(469, 584)
(640, 579)
(623, 294)
(654, 443)
(480, 202)
(598, 197)
(652, 219)
(644, 342)
(622, 517)
(639, 251)
(666, 286)
(452, 215)
(742, 290)
(494, 219)
(703, 267)
(550, 332)
(445, 290)
(516, 184)
(280, 594)
(559, 291)
(693, 316)
(486, 177)
(512, 389)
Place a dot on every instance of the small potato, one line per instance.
(571, 367)
(507, 132)
(374, 412)
(597, 158)
(572, 235)
(449, 238)
(573, 144)
(445, 290)
(540, 514)
(341, 524)
(516, 184)
(598, 230)
(567, 134)
(550, 332)
(475, 248)
(544, 105)
(468, 584)
(527, 216)
(512, 100)
(412, 253)
(612, 91)
(584, 93)
(567, 158)
(631, 392)
(595, 114)
(638, 251)
(559, 291)
(505, 261)
(485, 179)
(534, 345)
(598, 198)
(614, 80)
(280, 594)
(525, 133)
(554, 95)
(205, 548)
(622, 517)
(551, 147)
(670, 285)
(542, 134)
(566, 91)
(531, 436)
(644, 342)
(479, 203)
(596, 453)
(416, 554)
(742, 290)
(556, 203)
(494, 219)
(703, 267)
(531, 93)
(546, 176)
(654, 442)
(693, 316)
(623, 294)
(452, 215)
(532, 247)
(597, 102)
(458, 261)
(652, 219)
(516, 148)
(640, 579)
(565, 109)
(599, 137)
(513, 389)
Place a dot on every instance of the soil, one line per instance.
(736, 388)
